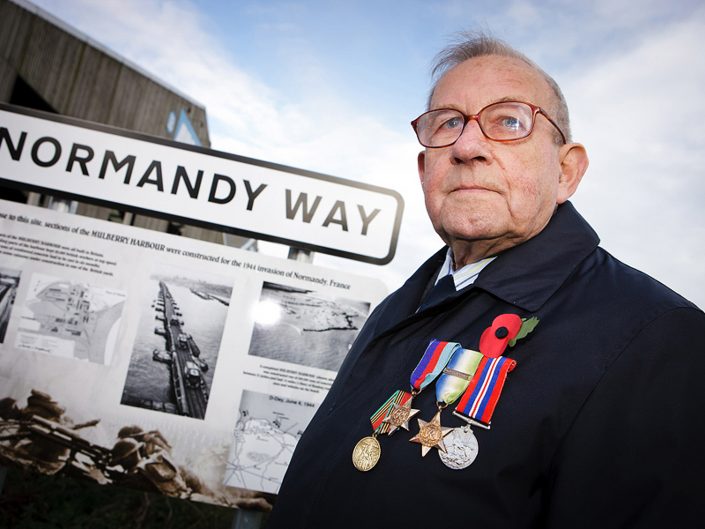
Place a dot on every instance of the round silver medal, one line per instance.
(461, 448)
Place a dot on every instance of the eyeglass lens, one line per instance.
(499, 121)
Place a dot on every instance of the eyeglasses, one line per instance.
(503, 121)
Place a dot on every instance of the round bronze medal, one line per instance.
(366, 453)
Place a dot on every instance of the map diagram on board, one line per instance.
(265, 436)
(70, 319)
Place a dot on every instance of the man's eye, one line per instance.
(453, 123)
(511, 123)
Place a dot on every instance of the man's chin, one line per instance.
(470, 235)
(479, 225)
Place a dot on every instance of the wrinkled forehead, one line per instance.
(479, 81)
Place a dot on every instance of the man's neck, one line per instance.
(466, 252)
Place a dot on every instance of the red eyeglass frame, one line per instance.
(469, 117)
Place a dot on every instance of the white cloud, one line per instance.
(639, 113)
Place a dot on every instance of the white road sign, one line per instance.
(253, 198)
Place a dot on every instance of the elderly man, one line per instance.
(550, 386)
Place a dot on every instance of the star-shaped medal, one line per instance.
(431, 434)
(399, 416)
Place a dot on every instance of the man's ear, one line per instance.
(421, 164)
(574, 162)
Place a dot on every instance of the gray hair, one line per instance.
(470, 45)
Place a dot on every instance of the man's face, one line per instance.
(480, 190)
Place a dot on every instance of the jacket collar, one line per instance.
(526, 275)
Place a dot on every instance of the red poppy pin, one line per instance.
(505, 330)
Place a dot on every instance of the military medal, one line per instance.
(399, 415)
(431, 434)
(450, 385)
(461, 445)
(366, 453)
(396, 410)
(476, 408)
(482, 394)
(461, 448)
(399, 400)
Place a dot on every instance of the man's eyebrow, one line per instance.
(453, 106)
(507, 98)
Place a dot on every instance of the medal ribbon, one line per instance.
(457, 375)
(434, 359)
(399, 397)
(483, 392)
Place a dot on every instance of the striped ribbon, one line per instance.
(432, 362)
(399, 397)
(457, 375)
(480, 398)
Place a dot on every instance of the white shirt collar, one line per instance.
(464, 276)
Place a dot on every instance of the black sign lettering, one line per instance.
(15, 150)
(366, 219)
(217, 179)
(252, 195)
(301, 201)
(339, 206)
(155, 166)
(38, 144)
(82, 160)
(192, 189)
(112, 159)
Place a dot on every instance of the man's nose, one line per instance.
(472, 143)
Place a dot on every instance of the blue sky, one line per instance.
(332, 86)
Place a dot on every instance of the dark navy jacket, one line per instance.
(600, 425)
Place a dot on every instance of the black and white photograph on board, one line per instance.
(305, 327)
(71, 319)
(178, 338)
(9, 281)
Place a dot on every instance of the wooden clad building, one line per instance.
(47, 65)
